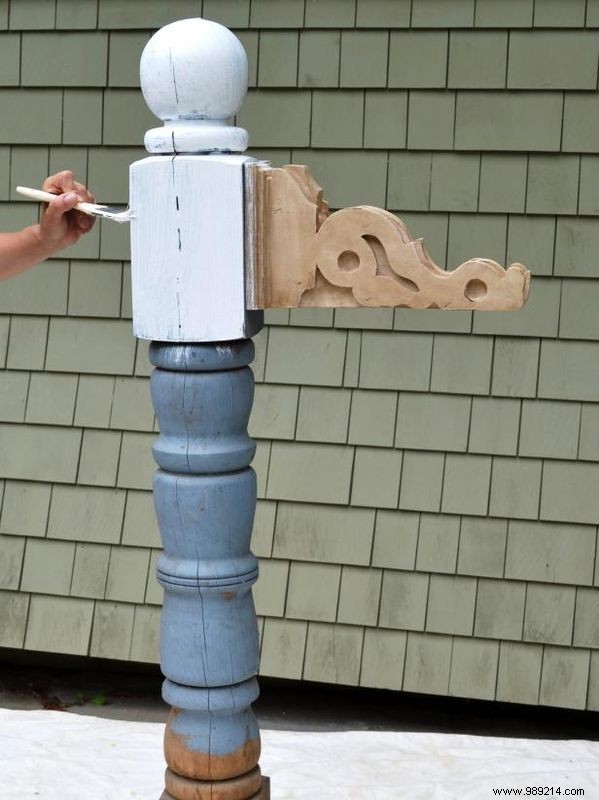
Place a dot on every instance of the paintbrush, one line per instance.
(113, 213)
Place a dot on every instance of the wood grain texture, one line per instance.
(186, 792)
(300, 255)
(234, 789)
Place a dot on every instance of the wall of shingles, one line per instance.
(428, 481)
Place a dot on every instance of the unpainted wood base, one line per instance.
(263, 794)
(241, 787)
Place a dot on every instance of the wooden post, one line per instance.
(187, 248)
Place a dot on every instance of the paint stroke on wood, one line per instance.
(301, 255)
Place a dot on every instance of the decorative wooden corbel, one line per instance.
(301, 255)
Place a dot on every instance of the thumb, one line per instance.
(60, 206)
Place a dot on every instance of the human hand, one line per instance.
(60, 226)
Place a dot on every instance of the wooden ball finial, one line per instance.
(194, 77)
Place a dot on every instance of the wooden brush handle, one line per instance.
(47, 197)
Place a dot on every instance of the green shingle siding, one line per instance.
(427, 515)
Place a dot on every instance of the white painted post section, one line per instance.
(187, 253)
(187, 230)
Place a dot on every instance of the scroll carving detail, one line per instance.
(304, 256)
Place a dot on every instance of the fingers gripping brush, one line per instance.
(113, 213)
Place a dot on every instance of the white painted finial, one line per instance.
(194, 77)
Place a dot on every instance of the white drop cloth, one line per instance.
(52, 755)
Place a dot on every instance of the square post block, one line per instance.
(188, 249)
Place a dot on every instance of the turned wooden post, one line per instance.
(187, 245)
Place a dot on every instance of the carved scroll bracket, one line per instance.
(301, 255)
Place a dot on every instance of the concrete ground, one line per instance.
(114, 690)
